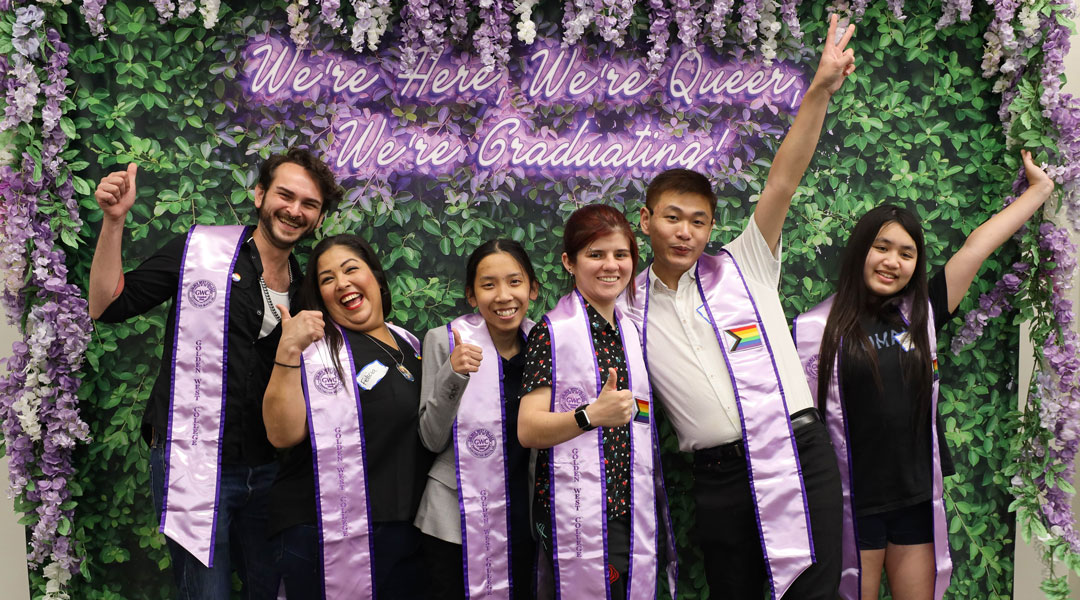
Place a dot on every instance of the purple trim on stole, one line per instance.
(813, 327)
(782, 514)
(483, 492)
(807, 330)
(644, 531)
(639, 318)
(577, 574)
(336, 431)
(407, 336)
(201, 325)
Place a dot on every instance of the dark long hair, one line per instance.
(514, 249)
(594, 221)
(854, 301)
(309, 297)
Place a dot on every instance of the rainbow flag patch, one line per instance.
(935, 368)
(642, 415)
(747, 337)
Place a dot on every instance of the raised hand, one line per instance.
(299, 332)
(1037, 178)
(465, 358)
(837, 60)
(613, 407)
(115, 193)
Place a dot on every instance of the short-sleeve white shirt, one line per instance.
(687, 369)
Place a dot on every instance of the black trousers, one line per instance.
(727, 529)
(448, 574)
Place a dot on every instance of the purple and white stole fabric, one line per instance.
(578, 499)
(480, 454)
(808, 330)
(336, 431)
(772, 458)
(197, 397)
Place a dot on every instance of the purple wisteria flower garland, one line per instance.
(1045, 451)
(38, 396)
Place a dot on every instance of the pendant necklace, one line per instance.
(398, 363)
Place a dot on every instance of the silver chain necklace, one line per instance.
(266, 292)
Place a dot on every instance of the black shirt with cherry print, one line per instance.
(607, 342)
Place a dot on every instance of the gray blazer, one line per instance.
(440, 394)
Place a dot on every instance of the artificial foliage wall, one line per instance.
(440, 154)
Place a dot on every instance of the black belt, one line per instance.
(800, 420)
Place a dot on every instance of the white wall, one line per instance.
(16, 586)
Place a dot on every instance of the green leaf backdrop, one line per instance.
(916, 124)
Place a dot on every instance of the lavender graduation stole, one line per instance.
(197, 398)
(772, 459)
(808, 330)
(336, 431)
(579, 515)
(480, 453)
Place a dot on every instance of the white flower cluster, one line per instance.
(768, 28)
(56, 578)
(526, 28)
(372, 20)
(37, 382)
(209, 11)
(1029, 20)
(298, 14)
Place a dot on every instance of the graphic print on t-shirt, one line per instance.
(890, 338)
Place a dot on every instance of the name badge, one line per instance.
(371, 374)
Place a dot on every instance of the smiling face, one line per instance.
(349, 289)
(290, 208)
(602, 269)
(678, 226)
(891, 260)
(501, 291)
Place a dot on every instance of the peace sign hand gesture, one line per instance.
(837, 61)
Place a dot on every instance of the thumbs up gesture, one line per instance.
(613, 407)
(115, 193)
(465, 358)
(299, 332)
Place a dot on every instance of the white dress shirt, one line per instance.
(686, 365)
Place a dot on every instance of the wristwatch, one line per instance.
(582, 418)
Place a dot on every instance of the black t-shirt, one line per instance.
(891, 456)
(250, 358)
(397, 462)
(517, 457)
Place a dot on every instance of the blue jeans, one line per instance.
(240, 539)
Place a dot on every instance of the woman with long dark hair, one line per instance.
(342, 403)
(587, 408)
(870, 355)
(475, 509)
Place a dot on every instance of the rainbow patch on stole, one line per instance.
(935, 369)
(746, 337)
(642, 415)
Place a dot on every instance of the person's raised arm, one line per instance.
(798, 146)
(284, 410)
(538, 427)
(961, 269)
(115, 194)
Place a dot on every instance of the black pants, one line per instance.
(618, 551)
(727, 525)
(400, 571)
(448, 574)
